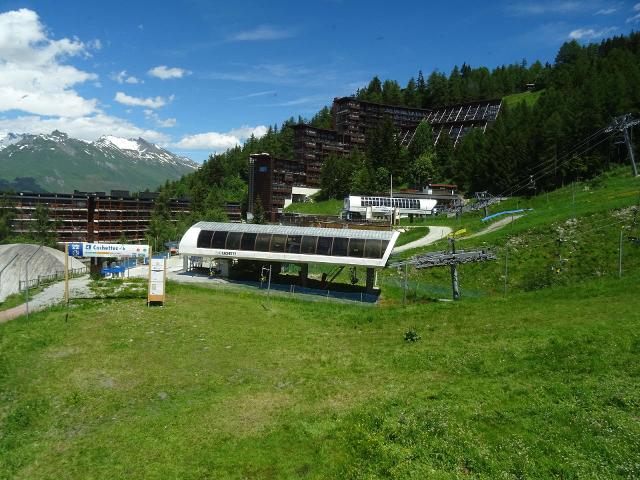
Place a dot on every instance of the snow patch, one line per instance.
(122, 143)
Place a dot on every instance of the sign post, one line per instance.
(157, 280)
(103, 250)
(66, 274)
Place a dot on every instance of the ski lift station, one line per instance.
(371, 208)
(228, 243)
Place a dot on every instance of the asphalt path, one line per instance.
(435, 234)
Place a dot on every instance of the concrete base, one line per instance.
(224, 266)
(304, 274)
(185, 263)
(371, 279)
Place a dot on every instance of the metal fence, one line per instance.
(57, 275)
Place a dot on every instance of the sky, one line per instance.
(198, 77)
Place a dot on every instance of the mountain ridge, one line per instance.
(57, 162)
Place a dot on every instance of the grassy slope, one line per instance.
(412, 234)
(538, 241)
(223, 384)
(325, 207)
(530, 98)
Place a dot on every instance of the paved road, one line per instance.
(435, 234)
(52, 295)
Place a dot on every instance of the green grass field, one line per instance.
(411, 235)
(222, 384)
(324, 207)
(537, 382)
(530, 98)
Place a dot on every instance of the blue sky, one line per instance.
(199, 76)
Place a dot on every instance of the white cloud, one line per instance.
(256, 94)
(263, 32)
(159, 122)
(607, 11)
(309, 100)
(544, 8)
(150, 102)
(124, 77)
(590, 33)
(33, 76)
(86, 128)
(217, 142)
(165, 73)
(636, 17)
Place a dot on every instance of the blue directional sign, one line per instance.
(75, 249)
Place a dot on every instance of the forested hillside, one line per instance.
(577, 96)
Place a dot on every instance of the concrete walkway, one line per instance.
(495, 226)
(50, 296)
(435, 234)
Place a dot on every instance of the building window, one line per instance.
(204, 239)
(340, 247)
(248, 241)
(233, 240)
(309, 245)
(356, 247)
(262, 242)
(324, 245)
(219, 239)
(278, 243)
(374, 248)
(293, 243)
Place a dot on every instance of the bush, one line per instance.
(411, 335)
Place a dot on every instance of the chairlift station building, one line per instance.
(279, 244)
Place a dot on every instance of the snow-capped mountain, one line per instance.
(59, 163)
(9, 138)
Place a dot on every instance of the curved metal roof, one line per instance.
(382, 243)
(291, 230)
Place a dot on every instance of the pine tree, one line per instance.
(421, 142)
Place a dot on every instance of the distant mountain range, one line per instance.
(56, 162)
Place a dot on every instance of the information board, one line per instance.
(157, 279)
(86, 249)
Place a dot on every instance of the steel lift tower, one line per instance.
(623, 124)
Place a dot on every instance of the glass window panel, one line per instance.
(293, 243)
(309, 245)
(219, 239)
(340, 247)
(356, 247)
(277, 243)
(324, 246)
(234, 240)
(248, 241)
(372, 248)
(262, 242)
(204, 239)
